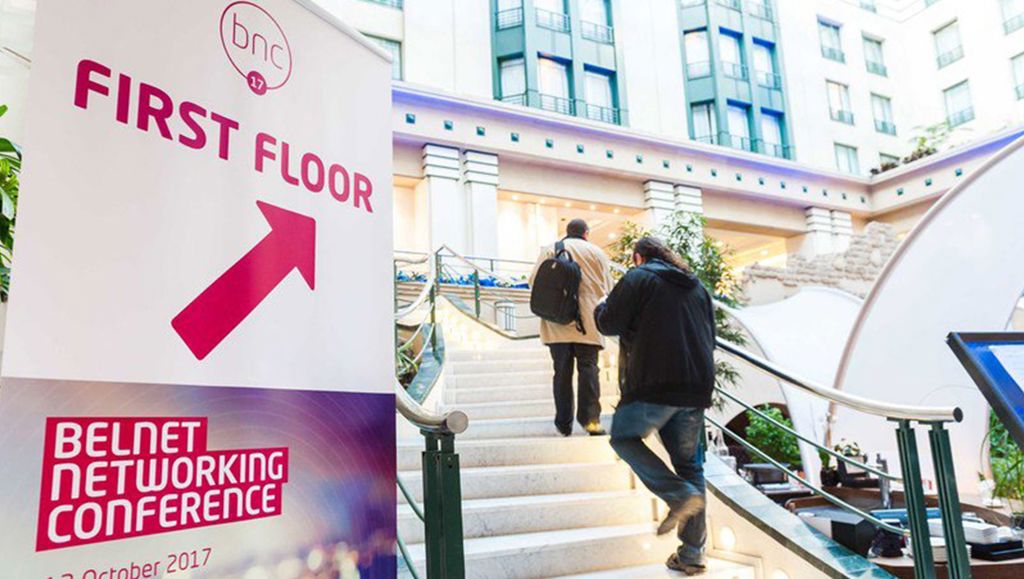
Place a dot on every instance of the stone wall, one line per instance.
(853, 271)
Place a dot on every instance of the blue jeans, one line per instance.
(680, 430)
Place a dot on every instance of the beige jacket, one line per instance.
(596, 283)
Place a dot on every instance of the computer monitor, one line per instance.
(995, 361)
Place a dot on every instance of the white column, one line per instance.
(446, 200)
(689, 199)
(659, 202)
(480, 171)
(842, 230)
(819, 232)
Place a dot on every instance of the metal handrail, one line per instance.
(454, 422)
(424, 294)
(818, 490)
(878, 472)
(859, 403)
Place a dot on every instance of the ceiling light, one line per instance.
(515, 198)
(617, 211)
(593, 207)
(568, 204)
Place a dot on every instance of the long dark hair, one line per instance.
(650, 247)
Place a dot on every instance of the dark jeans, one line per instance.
(680, 430)
(589, 390)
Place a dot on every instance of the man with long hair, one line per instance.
(665, 320)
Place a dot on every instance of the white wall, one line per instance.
(16, 23)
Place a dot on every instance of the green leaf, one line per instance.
(6, 205)
(3, 109)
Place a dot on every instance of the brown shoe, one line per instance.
(681, 513)
(595, 429)
(675, 564)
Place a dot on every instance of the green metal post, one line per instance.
(476, 293)
(917, 514)
(433, 319)
(442, 507)
(949, 503)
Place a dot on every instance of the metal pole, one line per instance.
(442, 505)
(917, 515)
(476, 293)
(949, 503)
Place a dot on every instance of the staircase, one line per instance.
(536, 504)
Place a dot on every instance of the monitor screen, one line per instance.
(995, 361)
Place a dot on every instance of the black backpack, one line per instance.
(556, 287)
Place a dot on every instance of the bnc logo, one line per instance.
(256, 46)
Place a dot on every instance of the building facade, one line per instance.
(766, 116)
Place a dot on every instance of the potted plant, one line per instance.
(1007, 462)
(10, 168)
(829, 473)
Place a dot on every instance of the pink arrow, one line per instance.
(215, 313)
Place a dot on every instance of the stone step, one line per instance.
(540, 408)
(540, 391)
(531, 514)
(499, 379)
(495, 366)
(520, 428)
(524, 353)
(533, 479)
(512, 452)
(562, 552)
(716, 569)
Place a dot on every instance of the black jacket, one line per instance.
(666, 323)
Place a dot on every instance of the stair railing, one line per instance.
(906, 418)
(441, 513)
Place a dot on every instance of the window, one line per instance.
(600, 96)
(771, 134)
(947, 44)
(551, 15)
(1017, 63)
(513, 80)
(958, 104)
(764, 66)
(732, 56)
(698, 57)
(509, 14)
(595, 21)
(873, 57)
(394, 48)
(739, 127)
(705, 125)
(846, 159)
(881, 107)
(839, 102)
(760, 8)
(831, 43)
(553, 81)
(869, 5)
(1013, 15)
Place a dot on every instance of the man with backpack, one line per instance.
(665, 320)
(567, 282)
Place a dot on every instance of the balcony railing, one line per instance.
(736, 141)
(960, 117)
(730, 4)
(510, 18)
(735, 70)
(1013, 23)
(515, 99)
(1020, 91)
(552, 20)
(843, 116)
(391, 3)
(597, 32)
(709, 139)
(768, 79)
(886, 127)
(557, 104)
(833, 54)
(877, 68)
(604, 114)
(698, 69)
(776, 149)
(761, 10)
(692, 3)
(950, 56)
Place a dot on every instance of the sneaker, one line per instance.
(675, 564)
(595, 429)
(681, 513)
